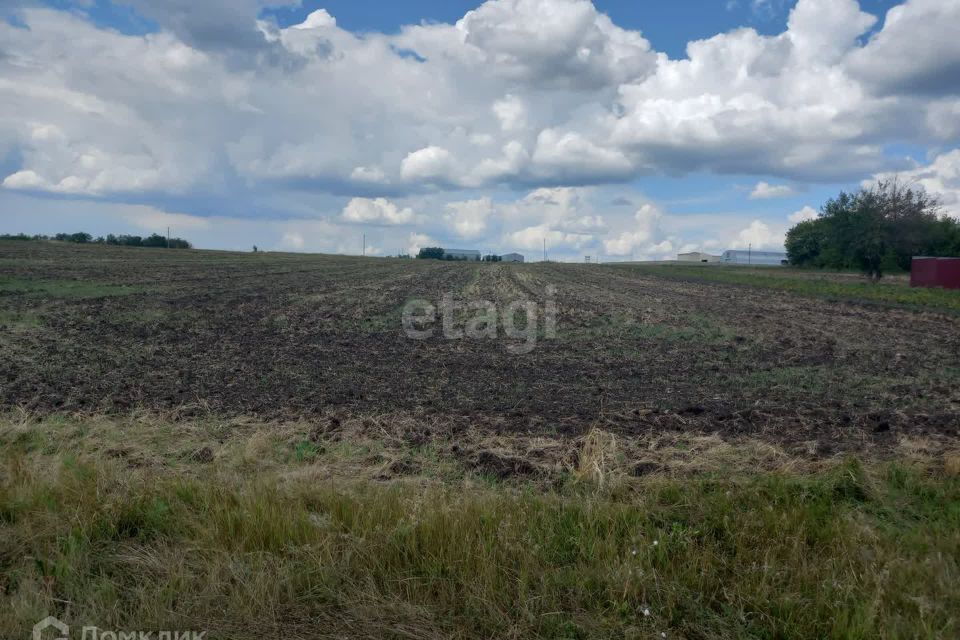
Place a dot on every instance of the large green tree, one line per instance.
(875, 229)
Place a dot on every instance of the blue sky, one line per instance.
(668, 25)
(303, 125)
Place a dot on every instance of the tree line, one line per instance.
(81, 237)
(876, 229)
(438, 253)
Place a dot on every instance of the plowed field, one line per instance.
(285, 337)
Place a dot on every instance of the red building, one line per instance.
(935, 272)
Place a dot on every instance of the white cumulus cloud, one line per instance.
(765, 191)
(376, 211)
(807, 213)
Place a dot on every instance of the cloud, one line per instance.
(747, 103)
(417, 241)
(759, 235)
(468, 219)
(558, 94)
(574, 157)
(373, 175)
(511, 112)
(807, 213)
(553, 43)
(643, 236)
(536, 237)
(428, 164)
(765, 191)
(157, 221)
(211, 24)
(940, 178)
(917, 51)
(376, 211)
(292, 240)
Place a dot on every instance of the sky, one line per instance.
(615, 129)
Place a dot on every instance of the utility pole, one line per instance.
(168, 237)
(364, 245)
(544, 249)
(750, 254)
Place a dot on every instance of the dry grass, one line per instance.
(285, 530)
(951, 464)
(598, 457)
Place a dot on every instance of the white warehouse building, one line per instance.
(697, 256)
(749, 256)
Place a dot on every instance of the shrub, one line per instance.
(431, 253)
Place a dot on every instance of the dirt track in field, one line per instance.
(285, 337)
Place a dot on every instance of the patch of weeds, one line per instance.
(803, 381)
(698, 330)
(385, 322)
(19, 320)
(379, 323)
(850, 483)
(66, 288)
(28, 441)
(145, 316)
(791, 380)
(695, 328)
(487, 480)
(306, 451)
(349, 450)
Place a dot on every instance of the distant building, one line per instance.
(749, 256)
(511, 257)
(462, 254)
(696, 256)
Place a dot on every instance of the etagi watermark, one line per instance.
(483, 319)
(52, 629)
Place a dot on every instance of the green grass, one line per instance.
(691, 329)
(305, 451)
(853, 551)
(802, 283)
(19, 319)
(64, 288)
(804, 381)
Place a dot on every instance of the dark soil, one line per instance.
(285, 337)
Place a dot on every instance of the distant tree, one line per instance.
(254, 248)
(876, 229)
(80, 237)
(154, 240)
(431, 253)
